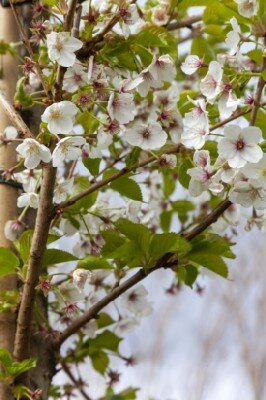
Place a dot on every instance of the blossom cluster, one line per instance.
(136, 127)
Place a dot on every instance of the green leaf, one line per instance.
(8, 262)
(191, 275)
(183, 177)
(202, 48)
(104, 320)
(100, 361)
(183, 207)
(127, 187)
(162, 243)
(92, 164)
(23, 245)
(112, 242)
(21, 95)
(105, 340)
(136, 232)
(93, 262)
(165, 220)
(56, 256)
(132, 157)
(210, 261)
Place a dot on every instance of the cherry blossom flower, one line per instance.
(135, 301)
(62, 47)
(13, 229)
(191, 64)
(10, 133)
(233, 38)
(62, 190)
(247, 8)
(80, 277)
(33, 152)
(82, 247)
(103, 142)
(29, 179)
(163, 68)
(227, 103)
(166, 98)
(121, 107)
(130, 16)
(168, 160)
(210, 86)
(28, 199)
(60, 117)
(75, 77)
(159, 16)
(146, 136)
(125, 324)
(194, 136)
(198, 114)
(240, 146)
(201, 175)
(146, 82)
(249, 193)
(68, 149)
(256, 171)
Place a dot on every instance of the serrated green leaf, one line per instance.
(162, 243)
(105, 340)
(8, 262)
(93, 262)
(210, 261)
(100, 361)
(127, 187)
(56, 256)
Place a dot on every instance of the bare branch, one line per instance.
(14, 117)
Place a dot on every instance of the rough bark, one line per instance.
(8, 195)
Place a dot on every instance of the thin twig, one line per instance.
(69, 373)
(185, 23)
(14, 117)
(29, 48)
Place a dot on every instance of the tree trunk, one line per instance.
(8, 194)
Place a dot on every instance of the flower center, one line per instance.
(133, 296)
(77, 77)
(55, 114)
(58, 45)
(240, 144)
(146, 134)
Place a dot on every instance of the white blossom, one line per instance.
(121, 107)
(135, 301)
(60, 117)
(125, 324)
(240, 146)
(75, 77)
(198, 114)
(163, 68)
(146, 81)
(191, 64)
(80, 277)
(33, 152)
(146, 136)
(194, 136)
(249, 193)
(29, 179)
(28, 199)
(210, 86)
(62, 47)
(247, 8)
(227, 104)
(13, 229)
(233, 38)
(256, 171)
(130, 16)
(168, 160)
(62, 190)
(10, 133)
(159, 15)
(68, 149)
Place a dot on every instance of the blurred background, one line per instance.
(202, 344)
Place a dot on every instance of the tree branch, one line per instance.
(185, 23)
(14, 117)
(167, 261)
(38, 245)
